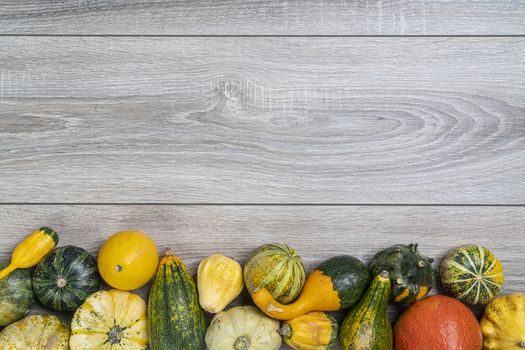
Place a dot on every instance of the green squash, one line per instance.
(278, 268)
(411, 273)
(16, 296)
(175, 318)
(65, 278)
(367, 326)
(472, 274)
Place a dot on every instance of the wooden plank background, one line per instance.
(227, 120)
(263, 17)
(338, 127)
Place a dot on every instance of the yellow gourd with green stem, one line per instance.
(31, 250)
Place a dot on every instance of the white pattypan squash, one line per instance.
(243, 328)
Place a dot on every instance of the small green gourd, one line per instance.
(367, 326)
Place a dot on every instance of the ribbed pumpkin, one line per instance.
(315, 330)
(411, 273)
(65, 278)
(36, 332)
(503, 324)
(110, 320)
(278, 268)
(16, 296)
(176, 320)
(472, 274)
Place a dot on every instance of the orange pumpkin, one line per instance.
(438, 323)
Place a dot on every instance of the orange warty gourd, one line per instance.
(438, 323)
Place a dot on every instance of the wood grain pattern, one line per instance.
(263, 17)
(262, 120)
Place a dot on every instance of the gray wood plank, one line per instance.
(263, 17)
(317, 232)
(262, 120)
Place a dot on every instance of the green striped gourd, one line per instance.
(278, 268)
(472, 274)
(176, 319)
(16, 296)
(65, 278)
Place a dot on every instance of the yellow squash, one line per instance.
(219, 281)
(128, 260)
(35, 332)
(315, 330)
(31, 250)
(503, 324)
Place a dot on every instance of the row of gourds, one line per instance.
(67, 279)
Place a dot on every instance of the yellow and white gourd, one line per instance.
(219, 281)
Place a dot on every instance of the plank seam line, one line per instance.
(263, 204)
(267, 35)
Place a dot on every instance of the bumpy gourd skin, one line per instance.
(411, 273)
(503, 323)
(366, 327)
(176, 320)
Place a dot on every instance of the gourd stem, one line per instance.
(421, 264)
(241, 343)
(168, 252)
(285, 331)
(522, 344)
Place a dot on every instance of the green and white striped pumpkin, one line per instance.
(278, 268)
(16, 296)
(65, 278)
(472, 274)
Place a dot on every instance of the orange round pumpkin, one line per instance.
(438, 323)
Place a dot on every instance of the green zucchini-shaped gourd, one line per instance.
(367, 326)
(16, 296)
(175, 317)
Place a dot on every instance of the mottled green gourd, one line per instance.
(366, 327)
(176, 319)
(411, 273)
(472, 274)
(16, 296)
(65, 278)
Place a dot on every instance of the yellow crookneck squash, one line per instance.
(31, 250)
(503, 324)
(336, 284)
(110, 320)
